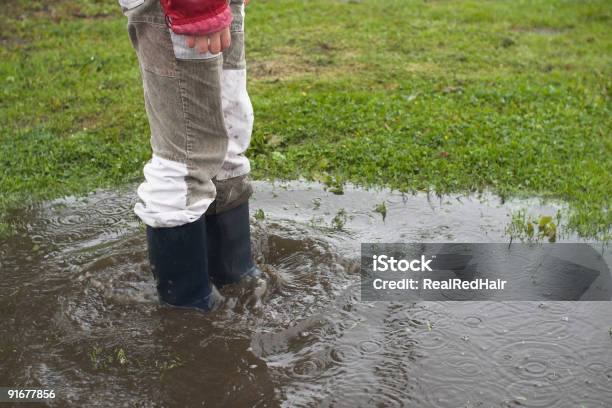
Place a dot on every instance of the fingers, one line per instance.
(191, 41)
(215, 43)
(226, 39)
(202, 44)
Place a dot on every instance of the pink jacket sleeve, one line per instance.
(197, 17)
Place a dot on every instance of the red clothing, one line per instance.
(197, 17)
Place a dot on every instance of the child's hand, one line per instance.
(214, 43)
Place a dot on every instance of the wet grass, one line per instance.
(339, 220)
(382, 210)
(528, 229)
(415, 95)
(104, 358)
(260, 215)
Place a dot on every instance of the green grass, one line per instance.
(512, 96)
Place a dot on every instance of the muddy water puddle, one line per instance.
(80, 315)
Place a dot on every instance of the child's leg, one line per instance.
(227, 219)
(182, 92)
(232, 181)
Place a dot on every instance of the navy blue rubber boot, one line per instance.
(229, 246)
(179, 262)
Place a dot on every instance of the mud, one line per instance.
(80, 314)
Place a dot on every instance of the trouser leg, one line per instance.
(182, 92)
(201, 121)
(232, 181)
